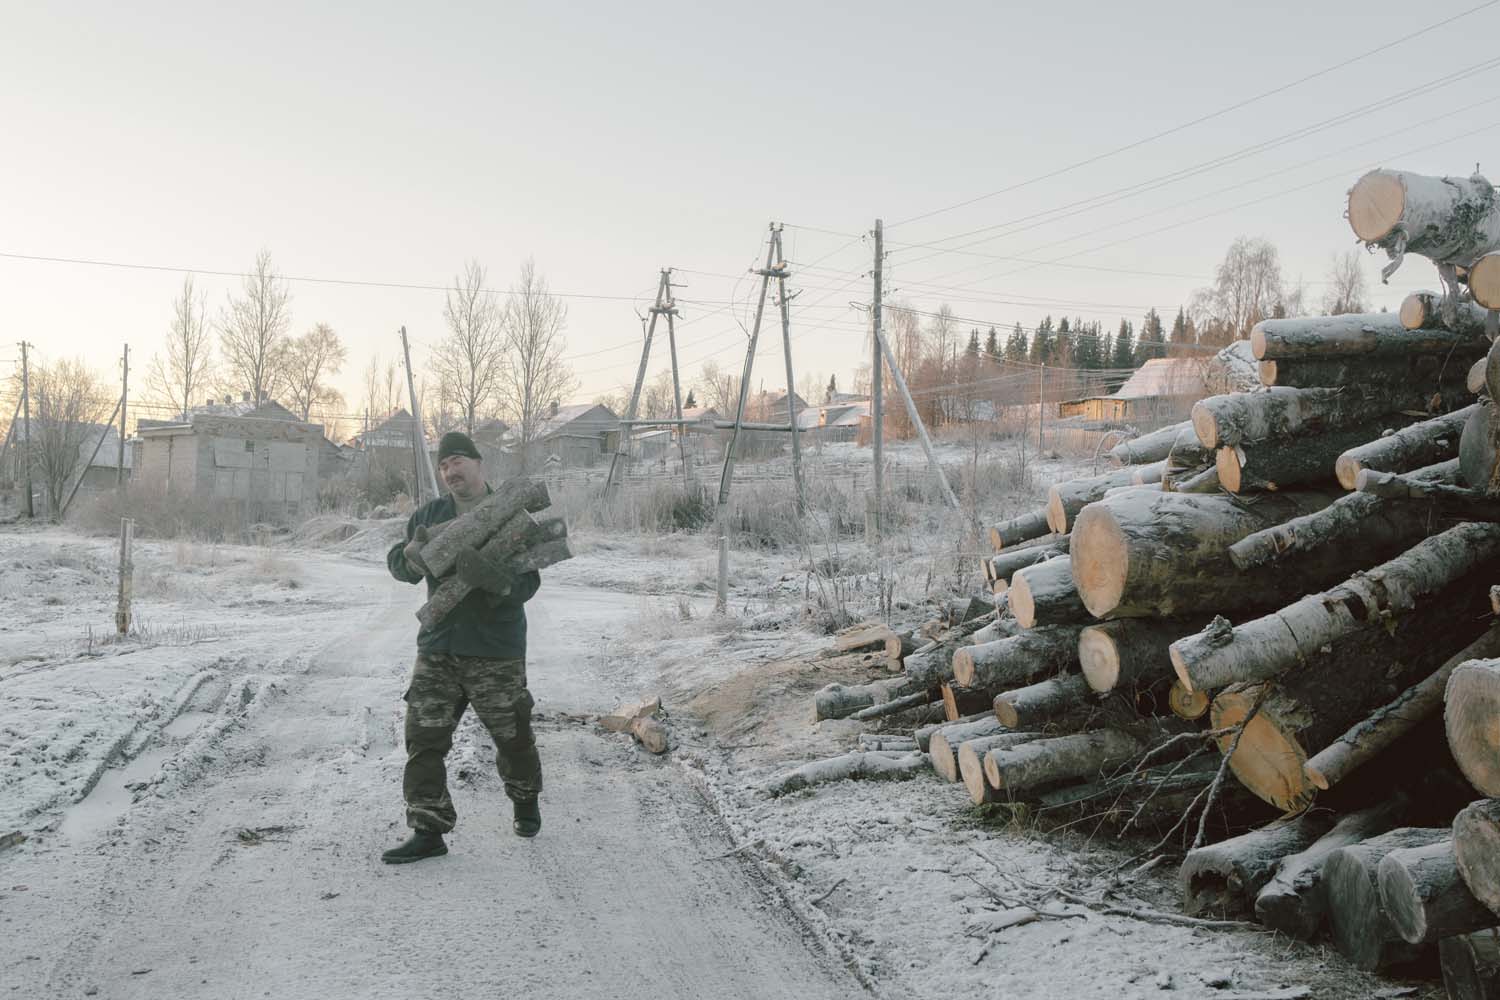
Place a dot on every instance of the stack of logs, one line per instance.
(1299, 576)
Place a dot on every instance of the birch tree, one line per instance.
(534, 377)
(180, 375)
(470, 360)
(311, 360)
(253, 332)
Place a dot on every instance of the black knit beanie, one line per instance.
(458, 443)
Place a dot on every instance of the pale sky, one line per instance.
(390, 143)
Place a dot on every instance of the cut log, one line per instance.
(1187, 459)
(1065, 702)
(1203, 480)
(1287, 413)
(1377, 526)
(1185, 704)
(1065, 500)
(1476, 449)
(1130, 651)
(865, 635)
(1154, 798)
(1484, 280)
(622, 718)
(1372, 735)
(1471, 965)
(1372, 338)
(1224, 878)
(1416, 446)
(1019, 529)
(905, 703)
(1475, 380)
(1434, 372)
(1476, 848)
(1022, 769)
(970, 759)
(955, 613)
(1019, 659)
(839, 700)
(502, 549)
(961, 701)
(871, 765)
(1361, 929)
(1044, 594)
(1423, 310)
(933, 665)
(1164, 554)
(1425, 896)
(1471, 716)
(944, 744)
(900, 645)
(888, 742)
(1145, 475)
(1294, 901)
(1004, 565)
(1449, 220)
(472, 528)
(1278, 464)
(650, 733)
(1220, 655)
(985, 719)
(1152, 447)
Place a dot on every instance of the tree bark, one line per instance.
(1224, 878)
(1423, 310)
(1372, 735)
(1295, 900)
(944, 744)
(1220, 655)
(1164, 554)
(1025, 768)
(1361, 928)
(503, 549)
(1065, 702)
(472, 529)
(1044, 594)
(1368, 337)
(1425, 897)
(1152, 447)
(978, 724)
(838, 700)
(1379, 527)
(1203, 480)
(1471, 965)
(1476, 448)
(1019, 529)
(1471, 708)
(961, 701)
(969, 762)
(1278, 463)
(1145, 475)
(1066, 499)
(1019, 659)
(1185, 704)
(933, 664)
(1448, 220)
(1004, 565)
(1416, 446)
(871, 765)
(1476, 848)
(1434, 372)
(1129, 652)
(1285, 413)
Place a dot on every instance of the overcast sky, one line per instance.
(391, 142)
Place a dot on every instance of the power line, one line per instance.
(1402, 40)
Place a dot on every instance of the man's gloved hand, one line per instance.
(482, 574)
(413, 551)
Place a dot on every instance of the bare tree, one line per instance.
(253, 332)
(470, 360)
(1246, 289)
(381, 389)
(69, 403)
(534, 378)
(311, 360)
(1347, 291)
(179, 377)
(721, 389)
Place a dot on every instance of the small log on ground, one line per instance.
(1164, 554)
(622, 718)
(871, 765)
(1471, 708)
(1220, 655)
(1004, 565)
(1417, 446)
(1380, 527)
(1476, 846)
(1063, 701)
(650, 733)
(1370, 736)
(473, 528)
(944, 743)
(905, 703)
(1361, 928)
(1152, 447)
(1019, 770)
(1437, 372)
(888, 742)
(1280, 463)
(1044, 594)
(1130, 651)
(1224, 878)
(1285, 413)
(1369, 337)
(1471, 965)
(1425, 896)
(1424, 310)
(1449, 220)
(979, 724)
(1019, 529)
(1066, 499)
(839, 700)
(1018, 659)
(865, 635)
(961, 701)
(1295, 901)
(969, 762)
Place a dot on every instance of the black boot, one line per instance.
(421, 844)
(528, 821)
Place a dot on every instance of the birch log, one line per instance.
(1286, 413)
(1367, 337)
(1435, 372)
(1019, 529)
(1476, 847)
(871, 765)
(1152, 447)
(1361, 929)
(1484, 280)
(1424, 895)
(1448, 220)
(1130, 651)
(501, 549)
(839, 700)
(1065, 701)
(1066, 499)
(1423, 310)
(1044, 594)
(944, 744)
(1019, 659)
(1413, 447)
(970, 762)
(960, 731)
(1022, 769)
(1471, 717)
(1471, 965)
(1278, 464)
(1224, 878)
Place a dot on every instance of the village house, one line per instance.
(1161, 391)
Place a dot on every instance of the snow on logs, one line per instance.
(1285, 413)
(868, 765)
(1416, 446)
(1372, 338)
(1063, 701)
(1449, 220)
(1152, 447)
(944, 743)
(1280, 463)
(971, 756)
(1143, 554)
(1424, 310)
(1066, 499)
(1019, 769)
(1044, 594)
(1002, 566)
(1021, 529)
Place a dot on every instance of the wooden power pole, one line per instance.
(26, 426)
(426, 477)
(663, 306)
(877, 412)
(124, 396)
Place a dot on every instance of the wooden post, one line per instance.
(92, 455)
(877, 414)
(1041, 410)
(426, 476)
(786, 346)
(124, 396)
(26, 426)
(622, 450)
(687, 476)
(916, 421)
(127, 566)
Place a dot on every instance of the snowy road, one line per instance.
(256, 874)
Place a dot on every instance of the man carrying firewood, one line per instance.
(475, 655)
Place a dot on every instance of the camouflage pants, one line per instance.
(442, 686)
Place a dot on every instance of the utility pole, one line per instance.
(877, 379)
(26, 425)
(662, 306)
(671, 314)
(425, 476)
(791, 393)
(1041, 409)
(124, 395)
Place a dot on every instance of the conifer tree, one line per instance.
(1124, 353)
(1015, 345)
(992, 344)
(1149, 344)
(1042, 343)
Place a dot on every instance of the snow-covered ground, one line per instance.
(204, 801)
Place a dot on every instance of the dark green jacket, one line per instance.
(478, 626)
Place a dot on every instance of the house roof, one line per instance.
(1164, 377)
(579, 418)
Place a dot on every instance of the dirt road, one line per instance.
(249, 866)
